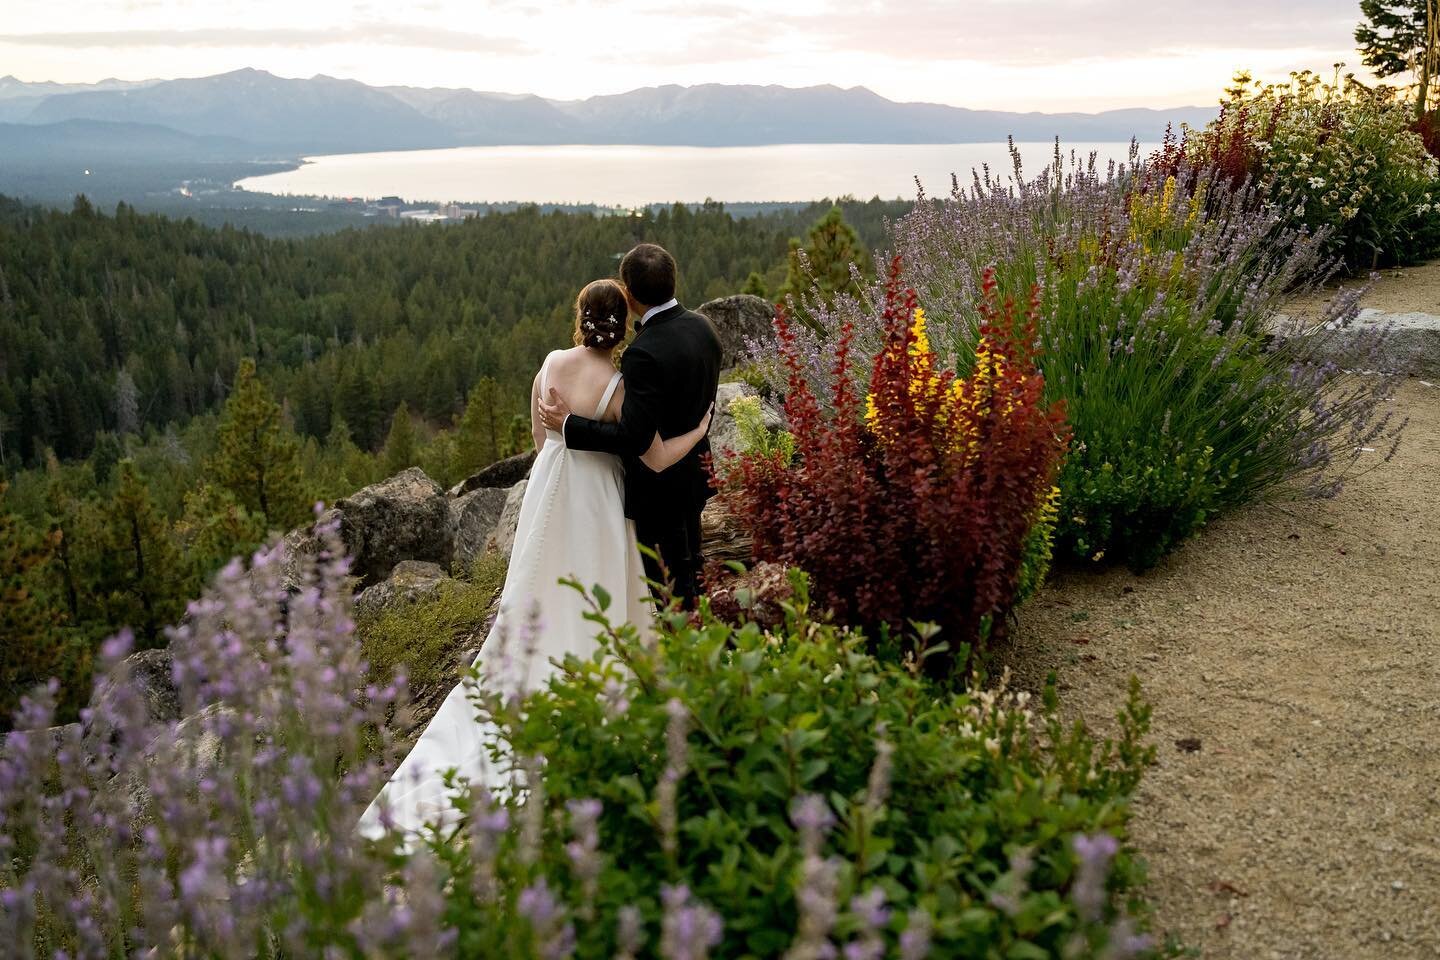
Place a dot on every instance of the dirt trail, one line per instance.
(1292, 654)
(1398, 290)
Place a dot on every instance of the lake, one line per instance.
(632, 176)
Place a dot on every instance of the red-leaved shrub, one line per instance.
(913, 503)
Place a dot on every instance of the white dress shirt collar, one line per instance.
(672, 302)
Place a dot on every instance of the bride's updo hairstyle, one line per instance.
(602, 315)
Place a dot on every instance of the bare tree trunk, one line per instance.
(1430, 59)
(1432, 52)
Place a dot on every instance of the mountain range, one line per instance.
(254, 113)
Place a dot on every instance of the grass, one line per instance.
(425, 636)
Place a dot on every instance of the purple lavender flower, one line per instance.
(915, 938)
(1094, 854)
(688, 929)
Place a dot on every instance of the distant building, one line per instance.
(389, 206)
(453, 211)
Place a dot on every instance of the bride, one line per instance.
(572, 524)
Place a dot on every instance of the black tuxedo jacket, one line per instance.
(671, 369)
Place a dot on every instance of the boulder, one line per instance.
(1411, 343)
(724, 434)
(146, 674)
(502, 474)
(406, 517)
(739, 321)
(410, 582)
(473, 517)
(502, 539)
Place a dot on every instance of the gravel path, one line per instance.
(1292, 654)
(1398, 290)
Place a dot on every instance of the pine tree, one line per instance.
(1402, 36)
(483, 429)
(64, 511)
(755, 285)
(215, 528)
(357, 403)
(29, 647)
(400, 442)
(824, 259)
(257, 456)
(139, 561)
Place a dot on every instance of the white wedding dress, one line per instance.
(572, 525)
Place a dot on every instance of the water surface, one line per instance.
(631, 176)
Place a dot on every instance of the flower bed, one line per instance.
(713, 791)
(1157, 327)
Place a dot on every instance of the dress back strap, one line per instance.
(607, 396)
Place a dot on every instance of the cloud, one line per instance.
(369, 34)
(1026, 32)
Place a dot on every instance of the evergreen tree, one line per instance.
(106, 454)
(64, 511)
(823, 260)
(1402, 36)
(29, 648)
(257, 457)
(358, 404)
(755, 285)
(215, 528)
(400, 442)
(139, 562)
(483, 429)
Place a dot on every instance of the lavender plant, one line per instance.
(1163, 327)
(226, 834)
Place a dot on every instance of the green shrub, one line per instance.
(789, 791)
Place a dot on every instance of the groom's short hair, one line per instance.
(648, 272)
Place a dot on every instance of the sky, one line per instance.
(1046, 55)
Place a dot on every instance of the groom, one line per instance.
(671, 370)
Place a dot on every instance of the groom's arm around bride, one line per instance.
(671, 370)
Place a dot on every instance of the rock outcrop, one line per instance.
(147, 673)
(406, 517)
(502, 539)
(739, 320)
(502, 474)
(722, 537)
(473, 518)
(409, 582)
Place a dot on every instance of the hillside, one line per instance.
(352, 323)
(328, 115)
